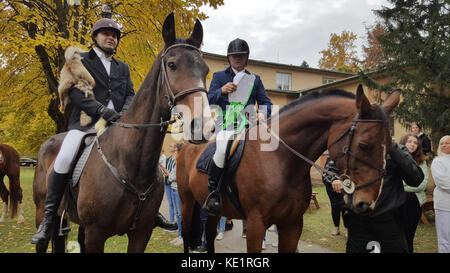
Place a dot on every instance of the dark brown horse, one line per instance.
(10, 167)
(105, 206)
(274, 186)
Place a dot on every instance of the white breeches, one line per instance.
(68, 151)
(221, 147)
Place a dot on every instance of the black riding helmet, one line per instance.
(238, 46)
(108, 24)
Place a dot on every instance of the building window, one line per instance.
(326, 80)
(283, 81)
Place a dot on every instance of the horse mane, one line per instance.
(317, 95)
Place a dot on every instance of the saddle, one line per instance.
(81, 158)
(234, 151)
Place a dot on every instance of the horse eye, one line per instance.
(172, 66)
(363, 146)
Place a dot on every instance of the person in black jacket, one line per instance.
(113, 93)
(426, 143)
(336, 200)
(382, 230)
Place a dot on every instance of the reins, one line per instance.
(171, 101)
(349, 186)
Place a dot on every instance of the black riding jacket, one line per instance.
(116, 87)
(400, 166)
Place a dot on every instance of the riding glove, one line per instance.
(108, 114)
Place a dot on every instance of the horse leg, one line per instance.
(81, 238)
(58, 242)
(211, 231)
(4, 194)
(289, 234)
(255, 234)
(188, 207)
(94, 240)
(138, 239)
(20, 217)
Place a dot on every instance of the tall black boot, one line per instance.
(162, 222)
(213, 202)
(56, 186)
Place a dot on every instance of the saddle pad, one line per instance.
(81, 163)
(231, 164)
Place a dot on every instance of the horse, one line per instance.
(274, 185)
(128, 151)
(10, 166)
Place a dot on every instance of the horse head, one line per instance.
(360, 151)
(184, 71)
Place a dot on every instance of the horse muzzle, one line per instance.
(200, 131)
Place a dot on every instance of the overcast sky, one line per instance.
(286, 31)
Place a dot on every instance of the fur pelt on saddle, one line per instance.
(75, 74)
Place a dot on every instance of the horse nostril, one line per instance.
(363, 207)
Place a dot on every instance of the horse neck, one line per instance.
(136, 151)
(306, 130)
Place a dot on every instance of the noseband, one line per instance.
(349, 185)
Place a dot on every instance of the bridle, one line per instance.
(170, 96)
(171, 101)
(348, 184)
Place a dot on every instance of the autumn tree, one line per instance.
(417, 41)
(34, 35)
(341, 54)
(373, 53)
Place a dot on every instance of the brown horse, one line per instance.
(274, 186)
(10, 166)
(131, 149)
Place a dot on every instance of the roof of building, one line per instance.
(284, 66)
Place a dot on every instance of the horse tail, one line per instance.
(15, 196)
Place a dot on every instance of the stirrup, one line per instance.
(207, 204)
(63, 230)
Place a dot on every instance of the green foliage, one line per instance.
(417, 44)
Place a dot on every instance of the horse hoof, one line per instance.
(20, 220)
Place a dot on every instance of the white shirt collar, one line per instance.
(102, 55)
(235, 71)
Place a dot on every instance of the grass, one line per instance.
(15, 238)
(319, 225)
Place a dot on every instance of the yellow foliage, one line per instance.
(341, 54)
(34, 35)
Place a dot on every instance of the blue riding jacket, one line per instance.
(258, 94)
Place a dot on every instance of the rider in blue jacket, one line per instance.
(234, 118)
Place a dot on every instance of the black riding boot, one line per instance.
(213, 201)
(56, 186)
(162, 222)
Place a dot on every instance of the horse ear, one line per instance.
(391, 101)
(168, 31)
(362, 103)
(197, 34)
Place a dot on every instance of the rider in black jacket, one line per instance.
(382, 227)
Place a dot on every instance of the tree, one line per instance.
(341, 54)
(417, 41)
(34, 35)
(374, 55)
(304, 64)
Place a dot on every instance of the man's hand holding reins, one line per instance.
(108, 114)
